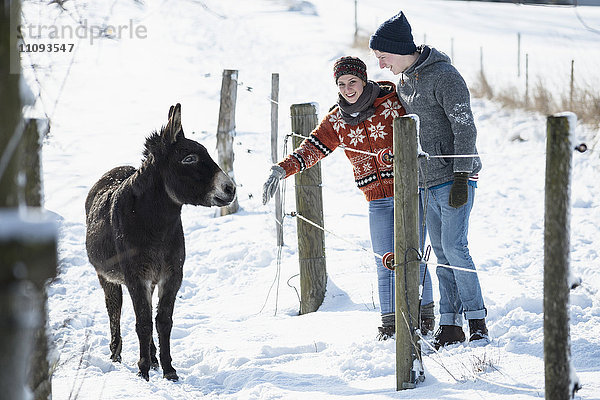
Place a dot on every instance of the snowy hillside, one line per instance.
(236, 332)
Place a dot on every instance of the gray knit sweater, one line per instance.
(434, 90)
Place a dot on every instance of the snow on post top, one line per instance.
(415, 117)
(32, 225)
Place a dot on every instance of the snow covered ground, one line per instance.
(235, 338)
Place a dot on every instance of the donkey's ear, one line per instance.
(173, 129)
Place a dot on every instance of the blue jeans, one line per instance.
(381, 224)
(460, 291)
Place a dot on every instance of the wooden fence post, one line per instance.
(226, 130)
(406, 237)
(355, 22)
(12, 340)
(39, 369)
(518, 53)
(274, 146)
(10, 105)
(557, 353)
(572, 88)
(481, 60)
(31, 162)
(526, 80)
(27, 261)
(309, 204)
(27, 238)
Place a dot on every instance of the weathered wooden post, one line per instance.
(27, 238)
(518, 53)
(406, 243)
(526, 80)
(226, 130)
(274, 146)
(10, 103)
(27, 261)
(309, 204)
(355, 22)
(39, 369)
(31, 162)
(572, 87)
(557, 353)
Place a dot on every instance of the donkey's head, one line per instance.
(189, 174)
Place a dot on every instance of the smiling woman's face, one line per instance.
(350, 87)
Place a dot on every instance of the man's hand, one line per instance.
(459, 192)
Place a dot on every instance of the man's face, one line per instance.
(396, 63)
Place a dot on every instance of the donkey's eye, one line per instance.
(190, 159)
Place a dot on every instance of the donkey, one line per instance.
(134, 235)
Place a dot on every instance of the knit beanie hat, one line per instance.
(350, 66)
(394, 36)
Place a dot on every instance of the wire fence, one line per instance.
(7, 154)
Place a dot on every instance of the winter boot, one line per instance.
(427, 319)
(386, 332)
(478, 330)
(448, 334)
(388, 328)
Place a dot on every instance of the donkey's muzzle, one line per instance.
(224, 190)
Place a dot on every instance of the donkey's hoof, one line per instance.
(172, 376)
(116, 358)
(144, 375)
(154, 365)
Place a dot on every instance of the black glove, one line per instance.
(459, 192)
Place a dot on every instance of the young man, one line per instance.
(433, 89)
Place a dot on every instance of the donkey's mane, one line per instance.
(154, 144)
(153, 148)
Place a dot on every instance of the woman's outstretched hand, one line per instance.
(272, 183)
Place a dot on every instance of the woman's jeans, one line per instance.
(381, 224)
(460, 291)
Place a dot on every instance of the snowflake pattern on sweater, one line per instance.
(390, 108)
(372, 136)
(356, 136)
(377, 131)
(337, 121)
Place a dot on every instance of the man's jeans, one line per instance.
(381, 224)
(460, 291)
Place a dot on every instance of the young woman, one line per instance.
(362, 120)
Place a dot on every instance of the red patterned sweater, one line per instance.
(376, 180)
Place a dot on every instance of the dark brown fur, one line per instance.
(135, 238)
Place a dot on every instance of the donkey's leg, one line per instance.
(167, 292)
(113, 296)
(140, 296)
(153, 359)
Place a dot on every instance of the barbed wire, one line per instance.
(13, 142)
(420, 259)
(12, 145)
